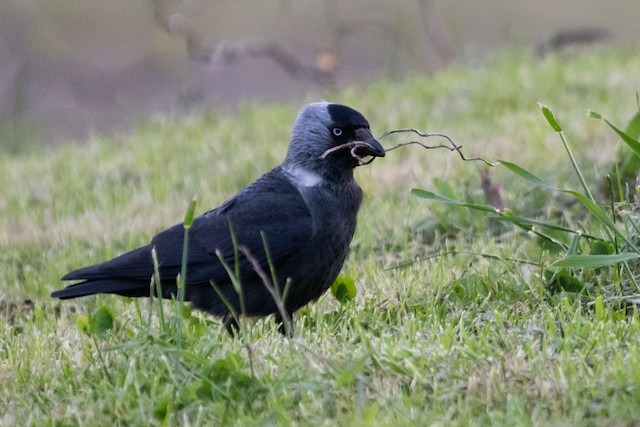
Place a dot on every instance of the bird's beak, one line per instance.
(372, 147)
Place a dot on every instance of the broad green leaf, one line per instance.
(344, 288)
(563, 280)
(593, 261)
(82, 323)
(602, 248)
(433, 196)
(101, 321)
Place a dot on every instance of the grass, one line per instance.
(455, 337)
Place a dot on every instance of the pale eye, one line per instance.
(337, 131)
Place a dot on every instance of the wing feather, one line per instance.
(271, 205)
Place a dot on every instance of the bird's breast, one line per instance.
(315, 266)
(334, 208)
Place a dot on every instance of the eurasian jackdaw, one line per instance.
(303, 212)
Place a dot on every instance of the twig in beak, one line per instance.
(353, 145)
(452, 147)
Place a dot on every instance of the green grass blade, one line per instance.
(602, 216)
(182, 278)
(521, 220)
(632, 143)
(433, 196)
(596, 210)
(272, 267)
(189, 215)
(187, 223)
(551, 118)
(633, 127)
(548, 114)
(583, 182)
(158, 283)
(483, 208)
(545, 236)
(235, 280)
(594, 261)
(523, 173)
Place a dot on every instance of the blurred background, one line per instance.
(70, 68)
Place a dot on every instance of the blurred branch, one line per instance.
(321, 71)
(176, 23)
(572, 37)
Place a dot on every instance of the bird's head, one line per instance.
(330, 140)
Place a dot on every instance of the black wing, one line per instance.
(271, 205)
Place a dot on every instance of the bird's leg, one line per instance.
(282, 327)
(231, 325)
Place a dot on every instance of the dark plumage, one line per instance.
(306, 208)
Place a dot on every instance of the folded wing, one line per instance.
(271, 206)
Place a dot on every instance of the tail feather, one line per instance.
(124, 287)
(135, 265)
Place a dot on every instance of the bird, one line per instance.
(287, 233)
